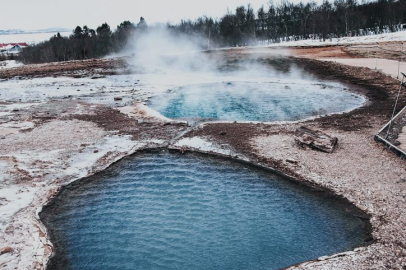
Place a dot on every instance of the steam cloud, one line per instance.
(160, 50)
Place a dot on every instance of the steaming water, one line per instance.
(244, 101)
(167, 211)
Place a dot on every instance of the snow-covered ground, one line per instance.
(9, 64)
(36, 159)
(202, 145)
(136, 87)
(396, 36)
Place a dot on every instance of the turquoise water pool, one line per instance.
(248, 101)
(173, 211)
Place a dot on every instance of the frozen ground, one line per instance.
(48, 139)
(58, 130)
(9, 64)
(45, 145)
(396, 36)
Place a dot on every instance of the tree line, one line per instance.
(286, 21)
(83, 43)
(271, 23)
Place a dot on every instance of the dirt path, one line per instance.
(390, 67)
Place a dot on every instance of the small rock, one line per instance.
(9, 229)
(292, 161)
(97, 77)
(6, 250)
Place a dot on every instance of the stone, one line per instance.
(315, 139)
(5, 250)
(292, 161)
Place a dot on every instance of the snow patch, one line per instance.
(81, 162)
(395, 36)
(9, 64)
(201, 144)
(12, 199)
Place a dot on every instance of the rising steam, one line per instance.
(160, 50)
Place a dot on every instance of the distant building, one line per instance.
(12, 48)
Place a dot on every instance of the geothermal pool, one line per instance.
(252, 101)
(173, 211)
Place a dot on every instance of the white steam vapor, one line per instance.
(159, 50)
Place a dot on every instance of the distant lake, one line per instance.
(29, 38)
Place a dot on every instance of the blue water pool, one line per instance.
(172, 211)
(247, 101)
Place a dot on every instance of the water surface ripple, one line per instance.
(172, 211)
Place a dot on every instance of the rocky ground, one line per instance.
(46, 145)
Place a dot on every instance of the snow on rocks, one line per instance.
(139, 110)
(206, 145)
(200, 144)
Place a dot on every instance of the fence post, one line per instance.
(394, 108)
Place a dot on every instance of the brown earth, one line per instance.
(394, 50)
(76, 69)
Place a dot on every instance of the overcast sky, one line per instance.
(39, 14)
